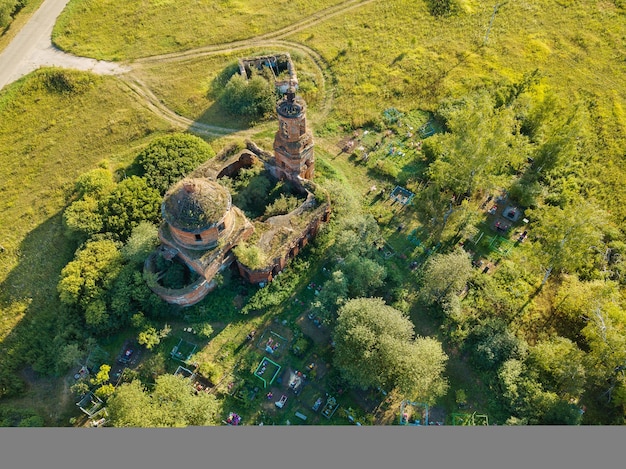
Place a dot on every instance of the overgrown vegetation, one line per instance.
(168, 159)
(35, 328)
(250, 98)
(527, 118)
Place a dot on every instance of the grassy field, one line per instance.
(115, 30)
(396, 54)
(48, 138)
(185, 86)
(382, 54)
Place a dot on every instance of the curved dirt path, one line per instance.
(142, 93)
(261, 39)
(271, 38)
(145, 96)
(32, 48)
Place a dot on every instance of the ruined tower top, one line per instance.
(291, 106)
(293, 143)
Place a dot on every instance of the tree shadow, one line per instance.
(216, 115)
(31, 285)
(42, 255)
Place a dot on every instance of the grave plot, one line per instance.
(330, 407)
(273, 343)
(183, 351)
(296, 380)
(401, 195)
(413, 413)
(267, 371)
(473, 419)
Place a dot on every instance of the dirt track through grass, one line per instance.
(46, 55)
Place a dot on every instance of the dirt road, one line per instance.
(32, 48)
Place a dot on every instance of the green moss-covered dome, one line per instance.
(195, 205)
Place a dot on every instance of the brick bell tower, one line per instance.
(293, 143)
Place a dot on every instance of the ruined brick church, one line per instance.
(201, 227)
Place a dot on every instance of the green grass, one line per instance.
(396, 54)
(382, 54)
(119, 30)
(48, 138)
(42, 151)
(185, 86)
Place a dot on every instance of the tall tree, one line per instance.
(131, 406)
(91, 273)
(334, 294)
(364, 275)
(375, 346)
(356, 233)
(559, 363)
(172, 403)
(529, 403)
(569, 237)
(419, 370)
(605, 334)
(446, 275)
(143, 239)
(477, 146)
(252, 98)
(95, 183)
(131, 202)
(492, 342)
(84, 216)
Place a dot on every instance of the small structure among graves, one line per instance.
(233, 419)
(281, 402)
(413, 413)
(183, 351)
(401, 195)
(266, 371)
(330, 407)
(317, 404)
(185, 373)
(467, 419)
(90, 404)
(512, 213)
(273, 343)
(296, 381)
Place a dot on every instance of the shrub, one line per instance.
(387, 169)
(252, 98)
(211, 371)
(284, 204)
(300, 346)
(168, 159)
(204, 330)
